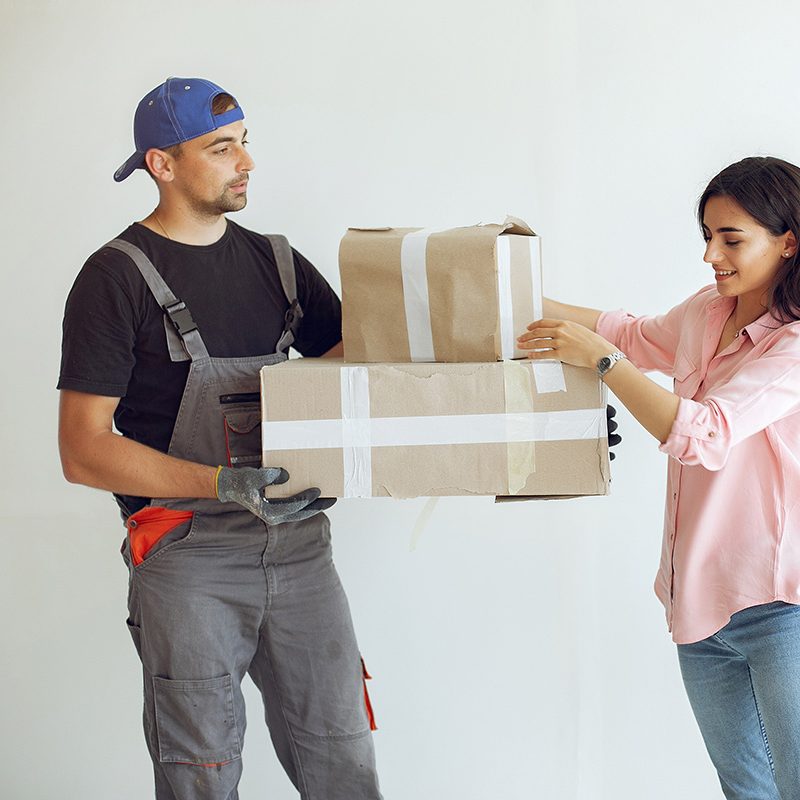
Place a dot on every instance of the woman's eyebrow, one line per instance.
(725, 230)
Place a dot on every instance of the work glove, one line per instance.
(613, 438)
(245, 486)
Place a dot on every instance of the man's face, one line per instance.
(211, 172)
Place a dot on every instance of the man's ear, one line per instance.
(160, 165)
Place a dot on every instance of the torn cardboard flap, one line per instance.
(413, 430)
(516, 225)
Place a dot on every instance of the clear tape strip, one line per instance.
(422, 522)
(548, 374)
(356, 449)
(517, 379)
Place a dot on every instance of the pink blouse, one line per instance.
(732, 521)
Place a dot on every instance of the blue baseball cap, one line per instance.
(174, 112)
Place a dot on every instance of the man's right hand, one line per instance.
(245, 486)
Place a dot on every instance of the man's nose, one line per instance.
(246, 163)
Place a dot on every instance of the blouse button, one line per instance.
(711, 434)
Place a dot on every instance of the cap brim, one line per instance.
(134, 162)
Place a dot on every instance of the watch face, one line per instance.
(604, 363)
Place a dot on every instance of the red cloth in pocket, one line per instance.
(148, 525)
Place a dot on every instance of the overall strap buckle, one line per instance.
(293, 316)
(291, 322)
(180, 317)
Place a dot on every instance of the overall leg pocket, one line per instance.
(196, 721)
(154, 529)
(136, 634)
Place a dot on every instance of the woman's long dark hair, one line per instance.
(768, 189)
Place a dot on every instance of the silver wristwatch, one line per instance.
(607, 362)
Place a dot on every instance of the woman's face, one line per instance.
(745, 255)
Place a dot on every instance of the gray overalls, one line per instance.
(221, 594)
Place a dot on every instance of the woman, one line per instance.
(730, 567)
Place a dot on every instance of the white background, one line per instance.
(518, 651)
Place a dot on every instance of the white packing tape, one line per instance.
(536, 275)
(534, 426)
(413, 264)
(356, 440)
(506, 310)
(548, 374)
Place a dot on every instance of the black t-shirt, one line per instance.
(114, 341)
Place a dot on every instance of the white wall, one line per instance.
(518, 651)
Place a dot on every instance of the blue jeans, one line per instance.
(744, 687)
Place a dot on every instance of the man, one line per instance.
(165, 331)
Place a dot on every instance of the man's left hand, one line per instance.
(613, 438)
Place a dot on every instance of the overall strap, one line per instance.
(284, 259)
(183, 332)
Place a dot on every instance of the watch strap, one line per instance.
(605, 364)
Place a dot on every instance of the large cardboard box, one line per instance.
(424, 295)
(413, 430)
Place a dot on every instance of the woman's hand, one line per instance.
(575, 344)
(567, 341)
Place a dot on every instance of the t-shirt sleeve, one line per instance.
(321, 326)
(98, 333)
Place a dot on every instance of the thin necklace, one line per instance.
(161, 226)
(736, 329)
(736, 326)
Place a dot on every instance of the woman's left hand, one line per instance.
(569, 342)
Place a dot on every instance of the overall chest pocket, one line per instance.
(241, 414)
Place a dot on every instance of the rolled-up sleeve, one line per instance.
(762, 391)
(610, 324)
(650, 342)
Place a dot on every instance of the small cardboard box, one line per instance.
(424, 295)
(422, 430)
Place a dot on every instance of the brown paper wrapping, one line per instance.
(463, 292)
(310, 389)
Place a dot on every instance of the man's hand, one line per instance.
(613, 438)
(245, 486)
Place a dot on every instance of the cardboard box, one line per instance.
(421, 430)
(425, 295)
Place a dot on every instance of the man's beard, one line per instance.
(228, 202)
(223, 204)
